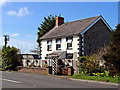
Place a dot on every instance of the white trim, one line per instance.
(83, 44)
(82, 39)
(83, 53)
(96, 22)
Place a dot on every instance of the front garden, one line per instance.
(98, 77)
(95, 68)
(103, 65)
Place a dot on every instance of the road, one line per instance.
(25, 80)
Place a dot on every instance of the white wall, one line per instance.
(63, 46)
(31, 60)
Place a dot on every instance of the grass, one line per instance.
(97, 78)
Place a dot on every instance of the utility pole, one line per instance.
(6, 40)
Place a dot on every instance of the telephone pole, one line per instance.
(6, 40)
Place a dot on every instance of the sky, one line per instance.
(20, 20)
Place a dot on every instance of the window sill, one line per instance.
(69, 48)
(58, 49)
(49, 50)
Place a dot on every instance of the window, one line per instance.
(69, 43)
(58, 44)
(69, 56)
(49, 45)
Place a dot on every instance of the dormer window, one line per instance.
(69, 42)
(49, 45)
(58, 44)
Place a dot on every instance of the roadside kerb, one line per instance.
(114, 84)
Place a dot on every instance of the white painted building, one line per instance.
(50, 47)
(77, 38)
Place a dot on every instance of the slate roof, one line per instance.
(70, 28)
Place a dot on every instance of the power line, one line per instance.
(23, 40)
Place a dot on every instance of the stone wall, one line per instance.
(96, 37)
(47, 70)
(33, 69)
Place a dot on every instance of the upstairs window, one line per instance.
(69, 42)
(58, 44)
(49, 45)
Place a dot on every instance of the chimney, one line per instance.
(59, 21)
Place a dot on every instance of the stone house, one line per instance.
(68, 41)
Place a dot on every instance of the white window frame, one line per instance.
(69, 40)
(49, 44)
(58, 42)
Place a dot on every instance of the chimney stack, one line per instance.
(59, 21)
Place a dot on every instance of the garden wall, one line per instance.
(33, 69)
(47, 70)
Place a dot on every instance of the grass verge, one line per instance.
(97, 78)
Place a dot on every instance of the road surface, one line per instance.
(25, 80)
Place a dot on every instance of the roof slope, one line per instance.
(70, 28)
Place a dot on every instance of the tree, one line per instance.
(45, 26)
(115, 36)
(0, 59)
(112, 57)
(10, 58)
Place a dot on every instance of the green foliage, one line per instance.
(0, 59)
(45, 26)
(97, 78)
(90, 64)
(10, 58)
(115, 36)
(112, 57)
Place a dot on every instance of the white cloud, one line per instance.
(11, 12)
(21, 12)
(2, 2)
(14, 35)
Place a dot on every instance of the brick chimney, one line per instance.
(59, 21)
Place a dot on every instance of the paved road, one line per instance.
(24, 80)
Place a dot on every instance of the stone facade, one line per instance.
(96, 37)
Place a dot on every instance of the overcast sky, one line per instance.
(20, 20)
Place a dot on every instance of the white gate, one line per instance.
(54, 66)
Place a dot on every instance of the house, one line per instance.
(30, 60)
(68, 41)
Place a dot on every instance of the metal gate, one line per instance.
(54, 66)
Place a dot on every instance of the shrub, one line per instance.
(10, 58)
(90, 64)
(112, 57)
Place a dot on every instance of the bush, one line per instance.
(112, 57)
(10, 58)
(90, 64)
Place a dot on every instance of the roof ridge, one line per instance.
(72, 26)
(83, 19)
